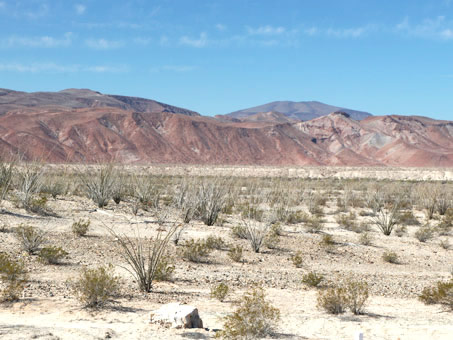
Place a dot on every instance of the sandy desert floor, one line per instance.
(48, 309)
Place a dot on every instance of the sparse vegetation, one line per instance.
(196, 251)
(235, 253)
(220, 291)
(390, 257)
(254, 317)
(30, 238)
(52, 254)
(95, 287)
(441, 293)
(99, 186)
(312, 279)
(13, 277)
(80, 227)
(333, 300)
(297, 259)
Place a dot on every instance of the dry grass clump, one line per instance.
(366, 239)
(80, 227)
(13, 277)
(31, 238)
(96, 287)
(314, 224)
(441, 293)
(165, 268)
(425, 233)
(298, 259)
(220, 291)
(254, 318)
(52, 254)
(235, 253)
(390, 257)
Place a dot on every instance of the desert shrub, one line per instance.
(424, 234)
(254, 317)
(211, 199)
(333, 300)
(314, 225)
(52, 254)
(387, 218)
(256, 233)
(95, 287)
(347, 222)
(390, 257)
(54, 186)
(272, 239)
(220, 291)
(6, 177)
(427, 197)
(356, 294)
(165, 268)
(38, 205)
(297, 259)
(215, 242)
(30, 183)
(80, 227)
(146, 192)
(99, 185)
(235, 253)
(178, 234)
(407, 218)
(296, 217)
(445, 244)
(312, 279)
(441, 293)
(239, 232)
(251, 211)
(143, 255)
(13, 277)
(196, 251)
(30, 238)
(366, 239)
(446, 223)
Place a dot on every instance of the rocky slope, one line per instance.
(144, 132)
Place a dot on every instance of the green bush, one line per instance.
(356, 295)
(52, 254)
(95, 287)
(235, 253)
(80, 227)
(13, 276)
(297, 259)
(213, 242)
(196, 251)
(333, 300)
(220, 291)
(312, 279)
(441, 293)
(254, 318)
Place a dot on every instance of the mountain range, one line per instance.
(87, 126)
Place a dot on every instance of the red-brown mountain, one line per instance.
(136, 134)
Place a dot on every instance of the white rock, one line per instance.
(177, 316)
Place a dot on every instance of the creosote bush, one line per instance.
(390, 257)
(424, 234)
(312, 279)
(297, 259)
(441, 293)
(30, 238)
(52, 254)
(215, 242)
(333, 300)
(314, 224)
(96, 286)
(254, 317)
(80, 227)
(235, 253)
(13, 278)
(196, 251)
(220, 291)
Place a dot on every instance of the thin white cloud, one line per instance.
(347, 32)
(58, 68)
(266, 30)
(103, 44)
(164, 41)
(438, 28)
(220, 27)
(141, 41)
(80, 9)
(41, 11)
(2, 4)
(195, 42)
(42, 42)
(173, 68)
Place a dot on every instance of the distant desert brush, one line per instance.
(13, 277)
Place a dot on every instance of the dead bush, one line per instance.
(30, 238)
(256, 233)
(425, 233)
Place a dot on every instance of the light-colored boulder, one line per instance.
(177, 316)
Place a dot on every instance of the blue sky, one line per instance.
(384, 57)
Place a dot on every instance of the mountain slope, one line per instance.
(82, 98)
(299, 110)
